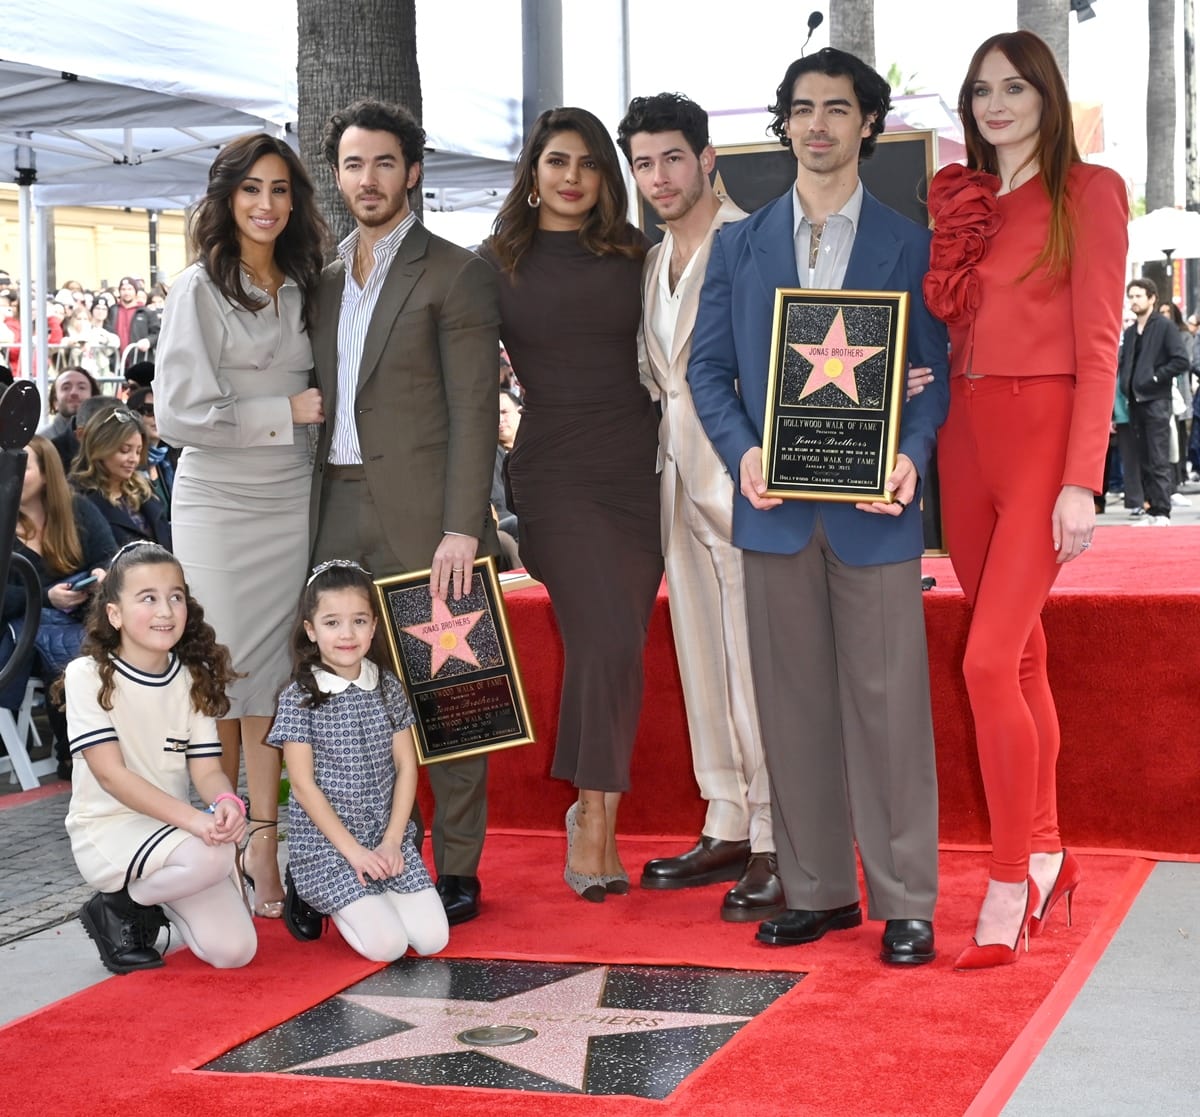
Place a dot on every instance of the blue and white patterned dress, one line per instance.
(351, 738)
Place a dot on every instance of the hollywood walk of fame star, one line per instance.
(834, 360)
(558, 1049)
(446, 635)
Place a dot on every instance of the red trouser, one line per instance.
(1001, 455)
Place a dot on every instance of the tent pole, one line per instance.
(40, 307)
(24, 206)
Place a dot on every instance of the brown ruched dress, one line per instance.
(584, 487)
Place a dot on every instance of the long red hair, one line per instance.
(1056, 152)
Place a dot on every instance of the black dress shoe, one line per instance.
(795, 927)
(758, 894)
(460, 897)
(300, 918)
(708, 861)
(908, 942)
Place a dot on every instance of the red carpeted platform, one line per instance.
(855, 1038)
(1122, 625)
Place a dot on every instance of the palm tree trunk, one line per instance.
(1160, 123)
(1048, 19)
(1191, 143)
(852, 28)
(350, 51)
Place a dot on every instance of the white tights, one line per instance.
(197, 890)
(383, 927)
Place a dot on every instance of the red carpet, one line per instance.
(853, 1039)
(1121, 624)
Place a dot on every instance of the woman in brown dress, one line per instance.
(583, 467)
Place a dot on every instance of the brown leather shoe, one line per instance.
(758, 894)
(707, 862)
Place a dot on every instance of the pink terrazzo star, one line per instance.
(564, 1015)
(446, 635)
(834, 360)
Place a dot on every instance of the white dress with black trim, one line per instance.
(158, 730)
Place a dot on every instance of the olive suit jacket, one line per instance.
(425, 408)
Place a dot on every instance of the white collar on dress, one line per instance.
(329, 683)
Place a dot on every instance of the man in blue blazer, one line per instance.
(833, 591)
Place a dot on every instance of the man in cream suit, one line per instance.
(405, 346)
(665, 139)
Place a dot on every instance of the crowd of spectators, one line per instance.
(103, 332)
(97, 476)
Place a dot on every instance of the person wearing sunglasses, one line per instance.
(161, 459)
(109, 472)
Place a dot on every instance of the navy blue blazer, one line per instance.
(123, 527)
(731, 351)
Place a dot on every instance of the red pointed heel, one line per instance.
(1069, 876)
(977, 957)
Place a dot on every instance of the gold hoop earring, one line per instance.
(533, 201)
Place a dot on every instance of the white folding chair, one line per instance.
(19, 735)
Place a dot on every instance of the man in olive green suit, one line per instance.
(405, 345)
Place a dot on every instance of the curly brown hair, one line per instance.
(208, 662)
(214, 234)
(305, 653)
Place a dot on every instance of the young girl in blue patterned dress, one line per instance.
(343, 724)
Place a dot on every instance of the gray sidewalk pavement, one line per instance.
(39, 884)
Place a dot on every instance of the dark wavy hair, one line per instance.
(299, 249)
(605, 230)
(1056, 152)
(375, 116)
(664, 112)
(305, 653)
(208, 662)
(873, 92)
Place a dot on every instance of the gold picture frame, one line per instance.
(457, 663)
(834, 393)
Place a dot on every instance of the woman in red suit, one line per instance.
(1027, 269)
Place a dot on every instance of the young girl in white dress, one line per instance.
(141, 703)
(344, 726)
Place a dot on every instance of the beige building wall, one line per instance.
(96, 243)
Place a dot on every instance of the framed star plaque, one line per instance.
(457, 663)
(834, 392)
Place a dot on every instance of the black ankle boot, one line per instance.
(119, 928)
(148, 922)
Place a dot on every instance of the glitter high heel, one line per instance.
(589, 886)
(617, 885)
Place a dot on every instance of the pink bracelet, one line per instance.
(230, 795)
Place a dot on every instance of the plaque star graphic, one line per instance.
(834, 360)
(562, 1016)
(446, 635)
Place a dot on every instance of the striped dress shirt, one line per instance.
(358, 305)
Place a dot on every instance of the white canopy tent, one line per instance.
(132, 112)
